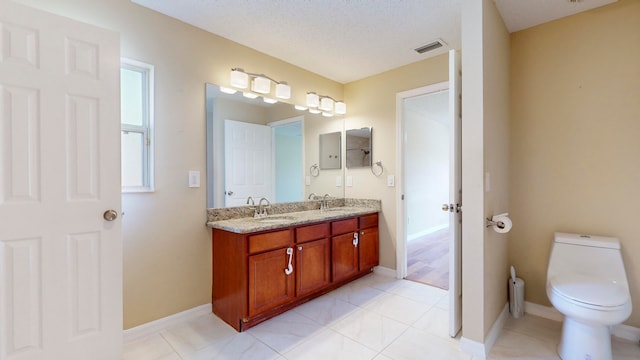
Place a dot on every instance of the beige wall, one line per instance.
(372, 102)
(485, 149)
(167, 251)
(575, 132)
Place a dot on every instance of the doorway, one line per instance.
(426, 185)
(422, 143)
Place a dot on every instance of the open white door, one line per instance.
(247, 162)
(60, 259)
(455, 195)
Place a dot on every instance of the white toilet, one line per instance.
(587, 283)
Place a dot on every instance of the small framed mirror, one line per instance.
(330, 149)
(359, 148)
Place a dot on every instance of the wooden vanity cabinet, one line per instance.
(355, 246)
(313, 258)
(259, 275)
(271, 279)
(344, 248)
(368, 242)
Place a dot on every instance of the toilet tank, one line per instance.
(588, 256)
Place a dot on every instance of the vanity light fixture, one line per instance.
(269, 100)
(249, 95)
(324, 103)
(313, 100)
(260, 83)
(228, 90)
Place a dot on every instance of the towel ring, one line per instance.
(314, 170)
(373, 168)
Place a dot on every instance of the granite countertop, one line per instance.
(245, 225)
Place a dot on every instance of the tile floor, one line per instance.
(375, 317)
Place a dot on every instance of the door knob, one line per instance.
(450, 207)
(110, 215)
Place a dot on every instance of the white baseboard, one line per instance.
(542, 311)
(482, 350)
(427, 231)
(626, 332)
(622, 331)
(385, 271)
(161, 324)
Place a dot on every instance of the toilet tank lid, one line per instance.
(587, 240)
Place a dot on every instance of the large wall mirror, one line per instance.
(265, 150)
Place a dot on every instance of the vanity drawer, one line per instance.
(312, 232)
(269, 241)
(344, 226)
(368, 221)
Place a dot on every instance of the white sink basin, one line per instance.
(275, 219)
(338, 209)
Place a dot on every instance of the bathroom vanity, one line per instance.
(265, 266)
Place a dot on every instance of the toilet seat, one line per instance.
(594, 294)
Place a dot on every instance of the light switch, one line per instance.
(338, 181)
(307, 180)
(194, 179)
(349, 180)
(391, 181)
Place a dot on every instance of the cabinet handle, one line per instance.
(356, 239)
(362, 233)
(289, 268)
(299, 248)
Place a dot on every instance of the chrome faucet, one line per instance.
(324, 204)
(253, 205)
(262, 211)
(313, 196)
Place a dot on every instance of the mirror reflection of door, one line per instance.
(247, 162)
(287, 167)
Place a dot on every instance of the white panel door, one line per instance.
(455, 194)
(247, 162)
(60, 260)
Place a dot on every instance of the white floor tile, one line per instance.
(285, 331)
(329, 344)
(375, 317)
(398, 307)
(435, 321)
(370, 329)
(325, 309)
(238, 347)
(427, 295)
(193, 335)
(153, 347)
(416, 344)
(358, 293)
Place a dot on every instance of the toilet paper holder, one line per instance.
(490, 223)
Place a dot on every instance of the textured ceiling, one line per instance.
(347, 40)
(522, 14)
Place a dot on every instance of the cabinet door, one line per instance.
(345, 256)
(269, 284)
(313, 264)
(369, 256)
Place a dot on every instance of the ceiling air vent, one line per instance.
(430, 46)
